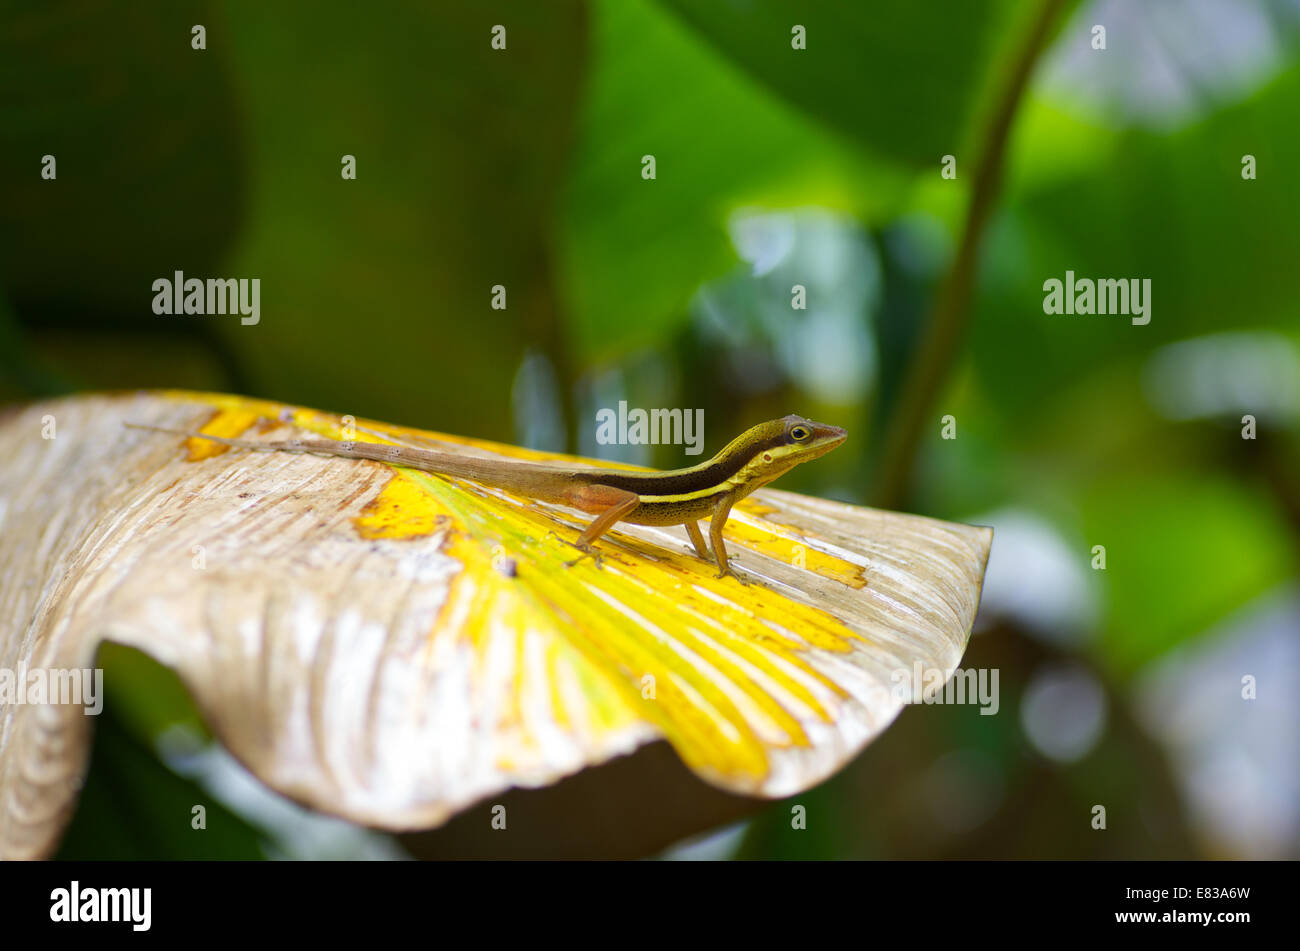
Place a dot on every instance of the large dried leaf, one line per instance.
(391, 646)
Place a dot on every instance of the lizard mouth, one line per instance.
(826, 438)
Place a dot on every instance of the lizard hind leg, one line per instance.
(697, 539)
(613, 504)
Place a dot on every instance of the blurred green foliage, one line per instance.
(523, 168)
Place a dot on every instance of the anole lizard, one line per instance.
(675, 497)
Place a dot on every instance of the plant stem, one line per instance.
(932, 365)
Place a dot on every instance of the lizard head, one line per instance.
(776, 447)
(803, 439)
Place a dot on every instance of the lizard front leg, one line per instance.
(718, 521)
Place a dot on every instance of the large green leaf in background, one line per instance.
(1052, 412)
(226, 162)
(634, 251)
(1222, 260)
(731, 120)
(379, 289)
(149, 171)
(1182, 552)
(1187, 539)
(149, 179)
(897, 76)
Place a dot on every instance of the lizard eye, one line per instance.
(800, 433)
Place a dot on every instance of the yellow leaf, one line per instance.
(391, 646)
